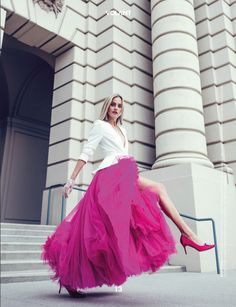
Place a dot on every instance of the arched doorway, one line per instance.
(26, 85)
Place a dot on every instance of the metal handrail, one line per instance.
(214, 235)
(62, 200)
(181, 214)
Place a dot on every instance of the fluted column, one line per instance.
(2, 25)
(179, 123)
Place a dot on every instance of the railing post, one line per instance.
(214, 235)
(216, 247)
(62, 201)
(49, 204)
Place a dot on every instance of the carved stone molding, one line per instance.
(51, 5)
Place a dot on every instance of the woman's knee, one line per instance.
(159, 188)
(156, 187)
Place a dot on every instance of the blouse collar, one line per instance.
(116, 133)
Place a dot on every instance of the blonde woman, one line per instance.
(118, 228)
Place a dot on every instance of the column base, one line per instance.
(224, 168)
(201, 192)
(171, 161)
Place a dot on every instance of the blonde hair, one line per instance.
(108, 100)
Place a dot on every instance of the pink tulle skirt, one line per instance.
(115, 231)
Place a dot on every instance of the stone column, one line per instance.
(181, 155)
(2, 25)
(179, 124)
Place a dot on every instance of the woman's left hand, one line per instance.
(68, 187)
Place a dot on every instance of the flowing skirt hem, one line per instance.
(116, 231)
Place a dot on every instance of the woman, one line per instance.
(117, 229)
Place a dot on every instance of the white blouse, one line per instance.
(103, 134)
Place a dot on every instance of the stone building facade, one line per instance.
(174, 63)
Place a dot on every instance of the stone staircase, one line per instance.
(21, 250)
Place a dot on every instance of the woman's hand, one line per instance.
(68, 187)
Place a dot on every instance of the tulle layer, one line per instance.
(115, 231)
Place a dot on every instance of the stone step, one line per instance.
(20, 255)
(23, 276)
(171, 269)
(13, 238)
(21, 265)
(20, 246)
(40, 275)
(27, 226)
(26, 232)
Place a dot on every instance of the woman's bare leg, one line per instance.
(168, 207)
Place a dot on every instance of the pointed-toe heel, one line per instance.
(185, 241)
(72, 292)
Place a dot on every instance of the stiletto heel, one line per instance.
(185, 241)
(185, 249)
(59, 287)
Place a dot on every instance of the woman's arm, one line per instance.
(94, 137)
(77, 169)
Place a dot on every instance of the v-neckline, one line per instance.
(118, 134)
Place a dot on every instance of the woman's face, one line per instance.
(115, 109)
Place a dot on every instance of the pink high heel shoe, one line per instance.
(185, 241)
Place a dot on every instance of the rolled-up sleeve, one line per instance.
(94, 137)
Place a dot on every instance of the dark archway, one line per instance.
(4, 109)
(27, 86)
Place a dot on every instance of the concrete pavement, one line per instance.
(159, 289)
